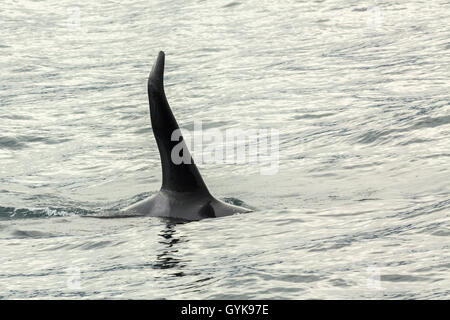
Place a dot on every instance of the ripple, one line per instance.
(401, 278)
(21, 234)
(313, 116)
(430, 122)
(232, 4)
(11, 143)
(26, 213)
(22, 142)
(93, 245)
(372, 136)
(442, 233)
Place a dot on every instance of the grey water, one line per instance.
(358, 208)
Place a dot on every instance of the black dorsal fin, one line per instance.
(182, 177)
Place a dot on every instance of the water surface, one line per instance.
(358, 91)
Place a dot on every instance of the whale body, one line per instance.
(183, 194)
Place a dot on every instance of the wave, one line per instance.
(21, 142)
(8, 213)
(75, 209)
(373, 136)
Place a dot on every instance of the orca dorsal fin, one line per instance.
(181, 177)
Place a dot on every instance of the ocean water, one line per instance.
(358, 92)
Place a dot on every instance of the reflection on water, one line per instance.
(169, 256)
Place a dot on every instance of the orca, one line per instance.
(183, 194)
